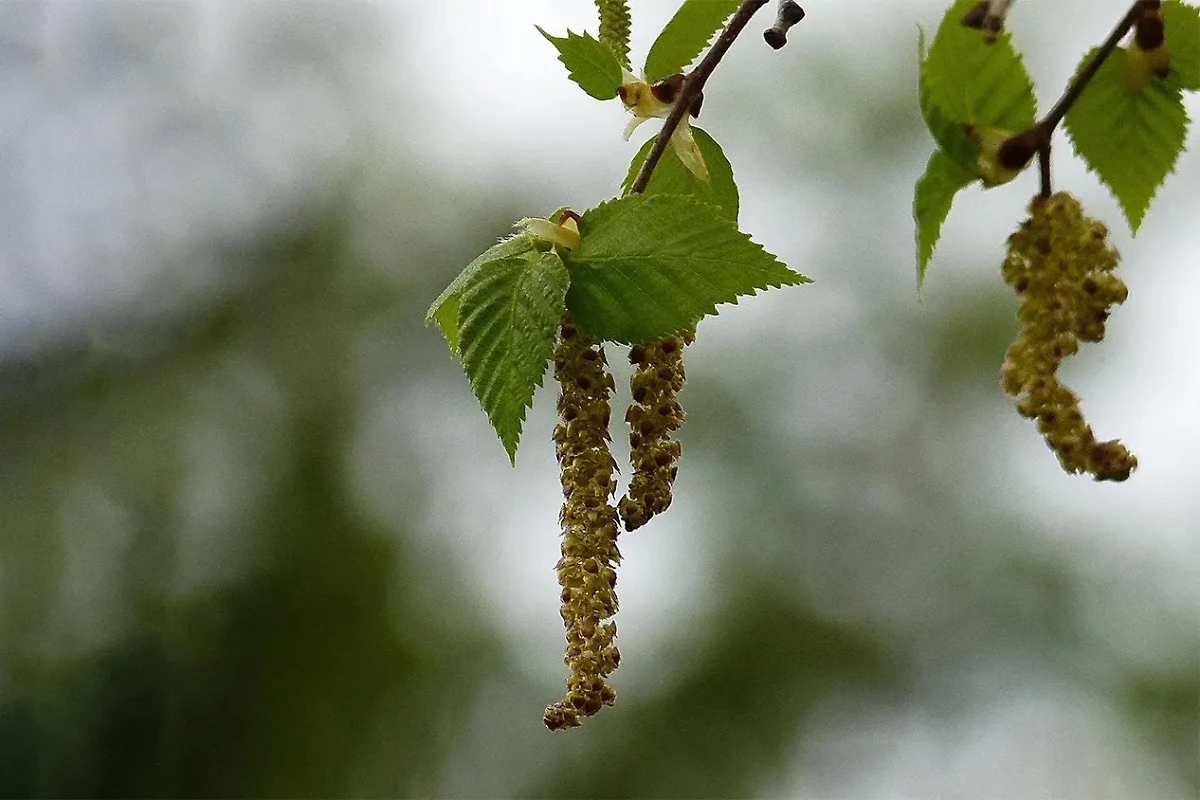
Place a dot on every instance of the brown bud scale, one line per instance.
(1016, 152)
(1150, 31)
(667, 89)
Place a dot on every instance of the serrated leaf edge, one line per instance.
(580, 260)
(505, 319)
(554, 40)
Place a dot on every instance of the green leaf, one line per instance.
(445, 308)
(510, 311)
(591, 63)
(966, 81)
(672, 177)
(651, 265)
(950, 136)
(934, 195)
(1183, 43)
(615, 25)
(1130, 139)
(685, 36)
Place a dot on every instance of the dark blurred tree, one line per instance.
(270, 687)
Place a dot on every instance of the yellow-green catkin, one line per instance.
(1062, 266)
(652, 416)
(615, 25)
(586, 571)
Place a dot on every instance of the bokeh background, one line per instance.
(259, 540)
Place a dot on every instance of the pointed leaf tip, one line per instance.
(592, 64)
(510, 310)
(934, 195)
(651, 265)
(1130, 139)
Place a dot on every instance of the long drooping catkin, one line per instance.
(586, 570)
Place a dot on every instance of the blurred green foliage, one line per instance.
(319, 667)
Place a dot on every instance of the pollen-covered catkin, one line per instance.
(654, 413)
(615, 25)
(586, 571)
(1062, 266)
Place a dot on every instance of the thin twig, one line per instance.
(1044, 168)
(692, 86)
(1076, 87)
(1050, 122)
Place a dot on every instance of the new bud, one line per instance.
(1149, 52)
(1002, 155)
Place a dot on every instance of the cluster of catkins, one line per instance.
(587, 569)
(1062, 266)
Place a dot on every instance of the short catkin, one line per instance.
(653, 415)
(1061, 265)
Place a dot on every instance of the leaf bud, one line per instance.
(976, 15)
(1150, 30)
(1014, 153)
(667, 89)
(991, 168)
(1149, 52)
(563, 233)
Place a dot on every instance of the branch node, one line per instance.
(789, 14)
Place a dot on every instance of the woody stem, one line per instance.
(692, 86)
(1047, 124)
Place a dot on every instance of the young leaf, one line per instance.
(1129, 139)
(648, 266)
(950, 136)
(510, 311)
(934, 195)
(672, 177)
(1183, 42)
(685, 36)
(615, 24)
(969, 82)
(591, 63)
(445, 308)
